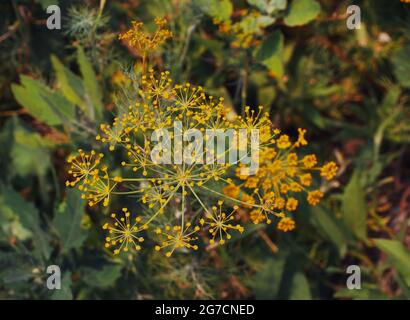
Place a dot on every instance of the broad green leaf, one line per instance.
(103, 278)
(330, 226)
(15, 268)
(55, 102)
(70, 84)
(90, 82)
(270, 53)
(399, 255)
(67, 221)
(354, 207)
(300, 287)
(30, 220)
(268, 6)
(252, 24)
(65, 292)
(30, 153)
(401, 66)
(266, 95)
(30, 99)
(9, 220)
(42, 102)
(302, 12)
(266, 282)
(219, 9)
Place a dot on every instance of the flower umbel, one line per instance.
(124, 233)
(143, 42)
(181, 190)
(177, 237)
(220, 224)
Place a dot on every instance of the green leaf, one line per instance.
(65, 292)
(399, 255)
(253, 24)
(9, 220)
(354, 207)
(330, 226)
(70, 84)
(30, 153)
(42, 102)
(268, 6)
(266, 282)
(266, 95)
(54, 102)
(103, 278)
(219, 9)
(270, 53)
(30, 220)
(67, 221)
(302, 12)
(401, 66)
(90, 82)
(15, 268)
(30, 99)
(299, 287)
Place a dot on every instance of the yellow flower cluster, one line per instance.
(124, 233)
(182, 186)
(271, 192)
(143, 42)
(282, 177)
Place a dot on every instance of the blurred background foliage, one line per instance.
(297, 58)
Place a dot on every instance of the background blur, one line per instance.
(349, 88)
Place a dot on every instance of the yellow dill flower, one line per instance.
(283, 142)
(115, 134)
(306, 179)
(219, 224)
(286, 224)
(256, 120)
(247, 201)
(144, 42)
(281, 175)
(177, 237)
(257, 216)
(231, 191)
(252, 182)
(314, 197)
(123, 233)
(156, 87)
(291, 204)
(99, 189)
(185, 182)
(83, 167)
(329, 170)
(309, 161)
(155, 195)
(292, 159)
(301, 138)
